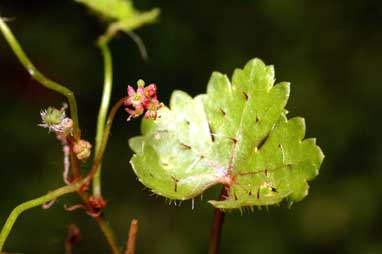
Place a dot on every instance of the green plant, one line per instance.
(236, 134)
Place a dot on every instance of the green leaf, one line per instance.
(237, 135)
(121, 13)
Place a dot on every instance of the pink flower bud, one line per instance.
(144, 98)
(151, 90)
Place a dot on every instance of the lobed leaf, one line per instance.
(236, 134)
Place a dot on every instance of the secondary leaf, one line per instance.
(237, 135)
(121, 13)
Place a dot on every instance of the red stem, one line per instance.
(130, 246)
(217, 225)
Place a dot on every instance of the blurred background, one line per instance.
(330, 50)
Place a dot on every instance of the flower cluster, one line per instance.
(144, 98)
(56, 121)
(82, 149)
(97, 202)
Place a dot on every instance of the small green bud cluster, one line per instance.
(56, 121)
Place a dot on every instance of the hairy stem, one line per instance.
(37, 75)
(33, 203)
(130, 246)
(217, 225)
(102, 113)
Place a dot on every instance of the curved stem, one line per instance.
(217, 225)
(101, 151)
(106, 94)
(33, 203)
(28, 65)
(140, 44)
(66, 189)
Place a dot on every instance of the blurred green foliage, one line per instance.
(331, 52)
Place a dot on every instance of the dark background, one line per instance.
(331, 52)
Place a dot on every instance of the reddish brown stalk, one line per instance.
(75, 167)
(105, 228)
(72, 239)
(130, 245)
(217, 225)
(99, 155)
(98, 158)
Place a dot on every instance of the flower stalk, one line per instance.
(37, 75)
(104, 107)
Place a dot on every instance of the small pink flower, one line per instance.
(144, 98)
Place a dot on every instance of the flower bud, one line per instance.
(97, 202)
(82, 149)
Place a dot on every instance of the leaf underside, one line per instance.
(236, 134)
(121, 13)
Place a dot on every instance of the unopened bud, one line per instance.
(140, 82)
(97, 202)
(82, 149)
(151, 90)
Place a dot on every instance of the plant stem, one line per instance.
(101, 151)
(37, 75)
(75, 167)
(217, 225)
(109, 235)
(130, 246)
(33, 203)
(105, 227)
(66, 189)
(106, 94)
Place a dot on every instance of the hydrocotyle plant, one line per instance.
(236, 135)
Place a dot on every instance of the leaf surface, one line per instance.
(236, 134)
(121, 13)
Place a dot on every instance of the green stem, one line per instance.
(106, 94)
(28, 65)
(109, 235)
(99, 155)
(33, 203)
(66, 189)
(104, 226)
